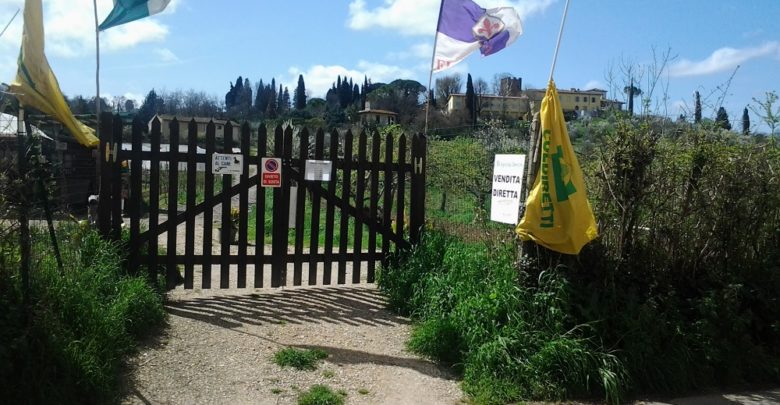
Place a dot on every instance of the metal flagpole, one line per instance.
(560, 34)
(9, 22)
(430, 74)
(97, 71)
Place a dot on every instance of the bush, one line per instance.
(80, 325)
(511, 340)
(321, 395)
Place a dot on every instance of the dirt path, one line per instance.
(219, 345)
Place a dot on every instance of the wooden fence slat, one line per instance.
(376, 142)
(262, 147)
(357, 245)
(330, 212)
(300, 207)
(280, 216)
(286, 182)
(401, 193)
(243, 208)
(154, 196)
(173, 203)
(136, 192)
(208, 214)
(345, 196)
(116, 178)
(319, 141)
(225, 230)
(387, 203)
(192, 168)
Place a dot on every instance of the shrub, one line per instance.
(511, 340)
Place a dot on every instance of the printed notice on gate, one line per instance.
(318, 170)
(507, 188)
(271, 172)
(225, 163)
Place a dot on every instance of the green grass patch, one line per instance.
(299, 359)
(322, 395)
(81, 323)
(511, 339)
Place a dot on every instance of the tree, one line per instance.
(471, 107)
(632, 92)
(696, 107)
(300, 94)
(401, 96)
(129, 105)
(722, 119)
(151, 106)
(447, 85)
(767, 112)
(745, 122)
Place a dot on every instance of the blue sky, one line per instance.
(204, 45)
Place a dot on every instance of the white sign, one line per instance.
(225, 163)
(318, 170)
(507, 188)
(291, 217)
(271, 172)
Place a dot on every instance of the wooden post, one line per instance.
(417, 214)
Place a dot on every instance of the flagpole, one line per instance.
(430, 74)
(560, 34)
(9, 22)
(97, 71)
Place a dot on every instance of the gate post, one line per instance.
(417, 203)
(104, 168)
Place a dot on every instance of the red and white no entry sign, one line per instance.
(271, 172)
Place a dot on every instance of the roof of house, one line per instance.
(9, 127)
(199, 120)
(380, 112)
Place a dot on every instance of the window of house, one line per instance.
(377, 119)
(593, 99)
(577, 99)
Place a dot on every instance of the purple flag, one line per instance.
(464, 27)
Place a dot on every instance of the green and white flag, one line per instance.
(130, 10)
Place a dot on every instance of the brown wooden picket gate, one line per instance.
(379, 188)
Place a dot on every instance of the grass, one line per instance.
(510, 340)
(328, 374)
(81, 324)
(299, 359)
(322, 395)
(363, 391)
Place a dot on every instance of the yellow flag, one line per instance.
(35, 85)
(557, 215)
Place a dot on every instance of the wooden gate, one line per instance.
(332, 229)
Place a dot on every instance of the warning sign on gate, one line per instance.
(271, 172)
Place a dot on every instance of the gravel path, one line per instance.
(219, 344)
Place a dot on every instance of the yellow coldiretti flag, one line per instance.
(557, 215)
(35, 85)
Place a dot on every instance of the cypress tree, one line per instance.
(696, 107)
(722, 119)
(745, 122)
(471, 101)
(300, 94)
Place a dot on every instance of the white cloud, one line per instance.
(594, 84)
(419, 17)
(166, 55)
(320, 78)
(723, 59)
(69, 26)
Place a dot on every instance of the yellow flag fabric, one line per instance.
(558, 215)
(35, 84)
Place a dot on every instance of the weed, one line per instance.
(328, 374)
(299, 359)
(321, 395)
(276, 391)
(363, 391)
